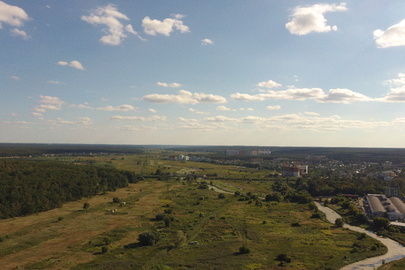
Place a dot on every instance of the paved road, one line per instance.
(395, 250)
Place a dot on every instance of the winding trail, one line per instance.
(395, 250)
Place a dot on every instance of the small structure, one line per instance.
(295, 171)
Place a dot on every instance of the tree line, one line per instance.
(28, 187)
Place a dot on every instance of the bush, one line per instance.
(339, 222)
(381, 223)
(116, 200)
(221, 196)
(149, 238)
(244, 250)
(104, 250)
(160, 217)
(283, 258)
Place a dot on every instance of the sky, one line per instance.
(189, 72)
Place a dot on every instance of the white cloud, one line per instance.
(311, 18)
(152, 111)
(111, 18)
(15, 78)
(186, 120)
(139, 118)
(207, 41)
(121, 108)
(273, 108)
(164, 27)
(185, 97)
(12, 15)
(395, 95)
(48, 103)
(54, 82)
(317, 94)
(74, 64)
(81, 106)
(84, 121)
(196, 111)
(289, 94)
(19, 33)
(343, 96)
(394, 36)
(269, 84)
(398, 81)
(224, 108)
(171, 85)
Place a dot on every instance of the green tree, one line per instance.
(86, 206)
(381, 223)
(149, 238)
(339, 222)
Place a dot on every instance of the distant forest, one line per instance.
(31, 149)
(28, 187)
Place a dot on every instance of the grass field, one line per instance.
(203, 231)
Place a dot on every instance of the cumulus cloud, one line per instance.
(269, 84)
(152, 111)
(394, 36)
(139, 118)
(171, 85)
(311, 19)
(289, 94)
(165, 27)
(224, 108)
(48, 103)
(19, 33)
(395, 95)
(317, 94)
(273, 108)
(343, 96)
(196, 111)
(80, 121)
(185, 97)
(398, 81)
(121, 108)
(300, 121)
(14, 16)
(74, 64)
(207, 41)
(111, 18)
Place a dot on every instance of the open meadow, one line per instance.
(194, 226)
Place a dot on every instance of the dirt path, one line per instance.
(395, 250)
(60, 242)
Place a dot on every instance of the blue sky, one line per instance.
(259, 72)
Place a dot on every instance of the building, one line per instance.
(294, 171)
(381, 206)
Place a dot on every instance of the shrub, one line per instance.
(295, 224)
(339, 222)
(221, 196)
(160, 217)
(149, 238)
(316, 215)
(283, 258)
(104, 250)
(116, 200)
(380, 222)
(86, 206)
(244, 250)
